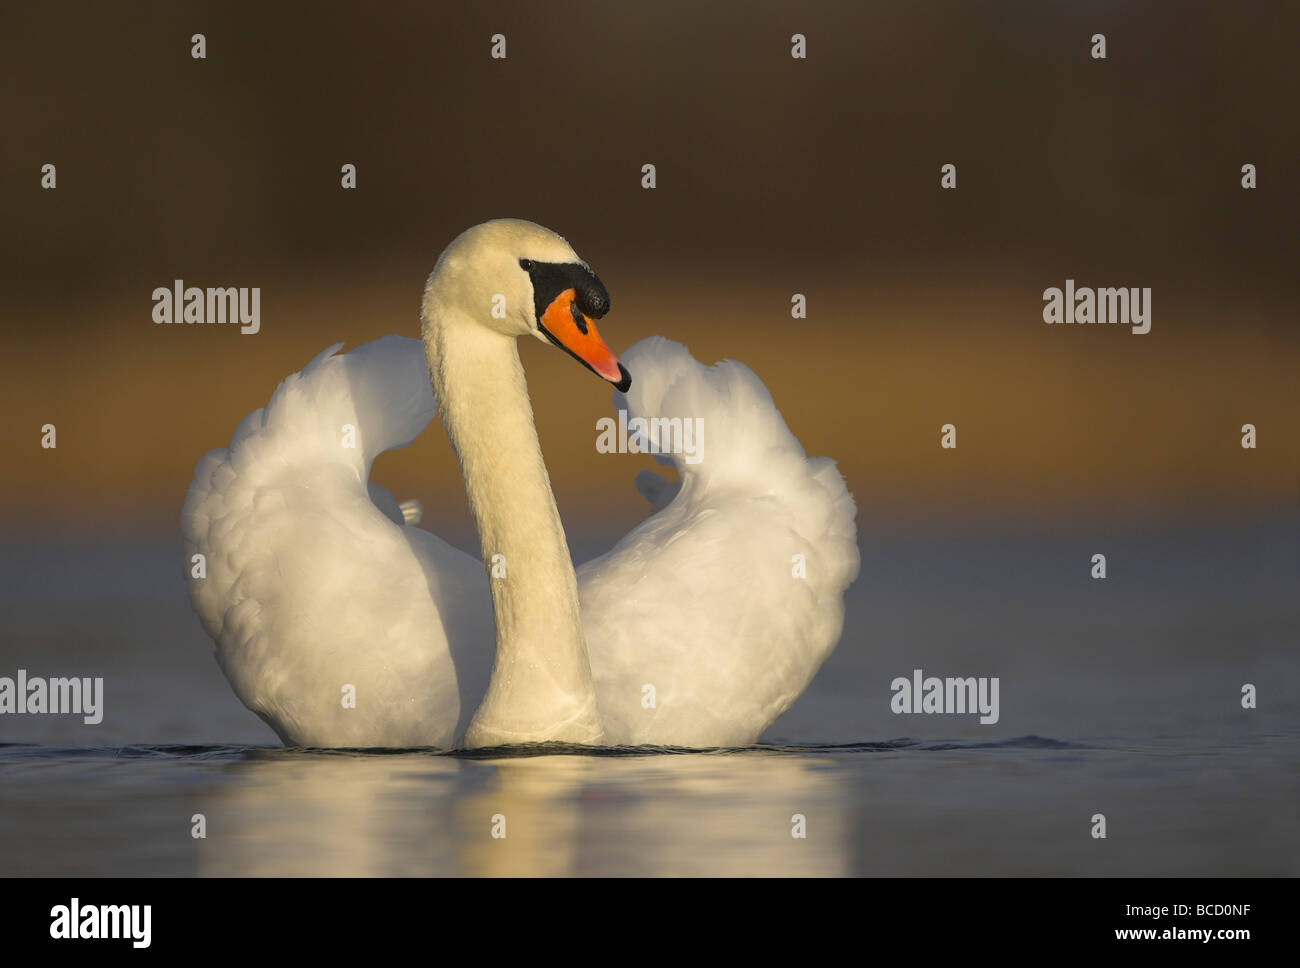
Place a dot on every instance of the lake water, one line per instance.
(1120, 698)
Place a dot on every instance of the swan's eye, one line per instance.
(526, 265)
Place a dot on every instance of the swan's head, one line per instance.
(521, 278)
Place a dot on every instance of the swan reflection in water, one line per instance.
(315, 814)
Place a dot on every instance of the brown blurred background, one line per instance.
(775, 176)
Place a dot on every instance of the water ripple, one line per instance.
(30, 751)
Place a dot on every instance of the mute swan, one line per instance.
(341, 623)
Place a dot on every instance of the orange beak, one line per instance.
(575, 333)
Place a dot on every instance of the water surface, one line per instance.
(1119, 698)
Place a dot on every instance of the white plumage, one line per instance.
(311, 587)
(701, 626)
(700, 601)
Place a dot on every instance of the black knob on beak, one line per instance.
(552, 278)
(592, 297)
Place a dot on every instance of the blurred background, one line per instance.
(775, 176)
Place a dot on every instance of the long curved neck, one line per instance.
(541, 687)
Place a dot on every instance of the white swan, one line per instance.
(342, 624)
